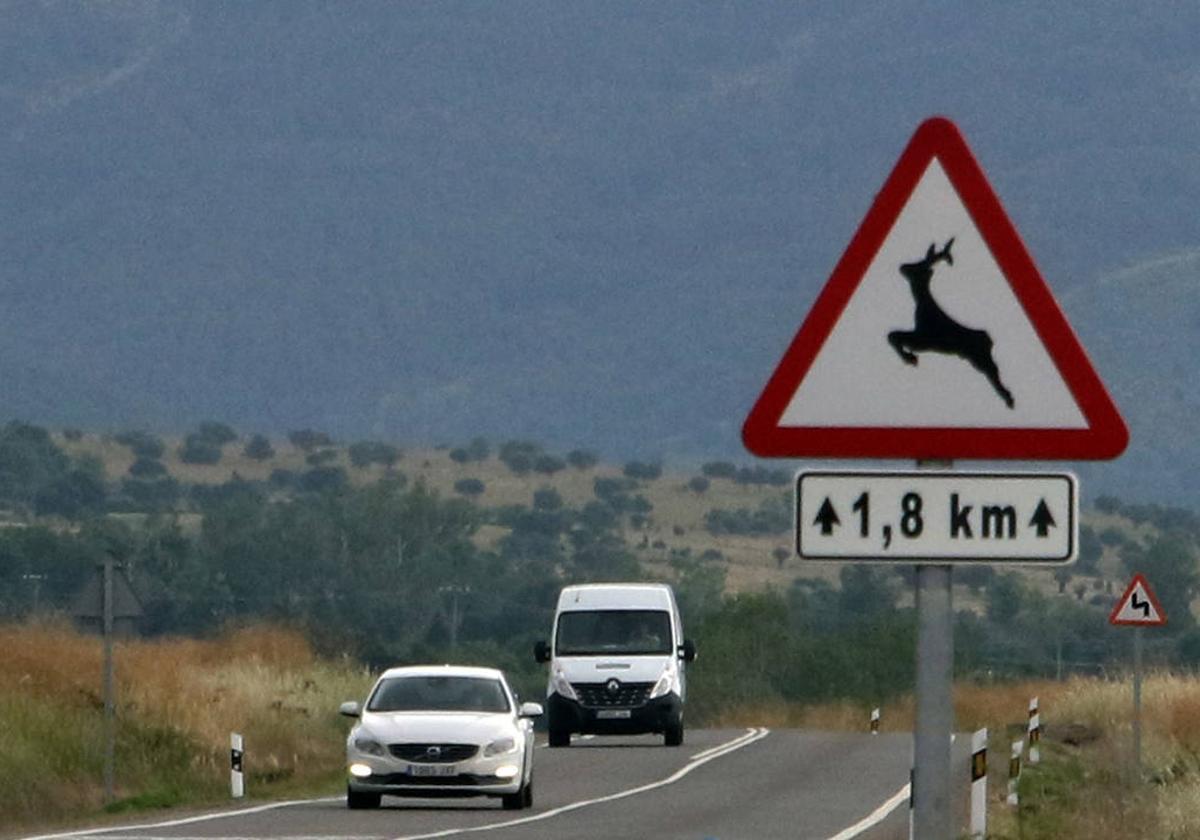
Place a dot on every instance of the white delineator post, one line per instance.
(875, 721)
(1035, 732)
(237, 783)
(979, 784)
(1014, 772)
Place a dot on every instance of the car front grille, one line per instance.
(433, 753)
(624, 695)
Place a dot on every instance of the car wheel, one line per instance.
(358, 800)
(521, 799)
(673, 737)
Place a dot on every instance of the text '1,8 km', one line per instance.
(944, 517)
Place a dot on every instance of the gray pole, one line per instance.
(109, 705)
(1137, 704)
(932, 812)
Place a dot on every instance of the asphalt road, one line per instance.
(751, 784)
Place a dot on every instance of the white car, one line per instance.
(440, 730)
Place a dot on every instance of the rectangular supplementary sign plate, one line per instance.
(936, 517)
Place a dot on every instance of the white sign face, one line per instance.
(942, 517)
(862, 376)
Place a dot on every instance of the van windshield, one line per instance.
(600, 632)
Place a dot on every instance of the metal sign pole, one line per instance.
(935, 709)
(1137, 704)
(109, 701)
(932, 812)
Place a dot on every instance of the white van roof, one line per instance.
(616, 596)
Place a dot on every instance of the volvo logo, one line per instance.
(433, 752)
(612, 686)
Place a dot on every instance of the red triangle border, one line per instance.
(1105, 436)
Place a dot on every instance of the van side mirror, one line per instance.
(687, 651)
(350, 709)
(541, 652)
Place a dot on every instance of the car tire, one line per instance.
(362, 800)
(673, 736)
(521, 799)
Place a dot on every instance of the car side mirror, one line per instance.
(687, 651)
(350, 709)
(530, 710)
(541, 652)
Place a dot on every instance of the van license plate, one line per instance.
(612, 714)
(432, 770)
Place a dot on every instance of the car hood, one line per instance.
(598, 669)
(437, 727)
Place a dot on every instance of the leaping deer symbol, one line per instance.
(935, 331)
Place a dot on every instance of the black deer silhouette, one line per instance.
(935, 331)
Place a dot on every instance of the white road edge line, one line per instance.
(875, 817)
(88, 832)
(752, 735)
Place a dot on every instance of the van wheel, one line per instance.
(560, 738)
(673, 737)
(359, 800)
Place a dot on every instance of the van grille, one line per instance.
(598, 695)
(433, 753)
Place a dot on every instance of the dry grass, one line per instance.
(178, 700)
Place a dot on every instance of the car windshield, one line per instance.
(613, 631)
(439, 694)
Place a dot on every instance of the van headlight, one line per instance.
(501, 746)
(558, 682)
(665, 684)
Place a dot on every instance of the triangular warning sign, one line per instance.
(935, 336)
(1138, 606)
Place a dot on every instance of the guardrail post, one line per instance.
(1035, 732)
(1014, 772)
(237, 783)
(979, 784)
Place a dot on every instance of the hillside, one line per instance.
(675, 524)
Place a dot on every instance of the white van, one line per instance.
(617, 661)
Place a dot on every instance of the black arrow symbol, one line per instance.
(827, 517)
(1144, 606)
(1042, 519)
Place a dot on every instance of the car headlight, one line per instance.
(501, 746)
(368, 745)
(558, 681)
(665, 684)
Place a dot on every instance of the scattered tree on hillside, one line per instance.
(215, 433)
(309, 439)
(718, 469)
(259, 448)
(197, 450)
(698, 484)
(642, 471)
(141, 443)
(469, 487)
(366, 453)
(582, 459)
(548, 464)
(147, 468)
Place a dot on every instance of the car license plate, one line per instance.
(612, 714)
(432, 770)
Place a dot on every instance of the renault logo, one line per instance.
(613, 686)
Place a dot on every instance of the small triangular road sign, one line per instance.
(936, 337)
(1138, 606)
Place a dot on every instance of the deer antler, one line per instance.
(944, 254)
